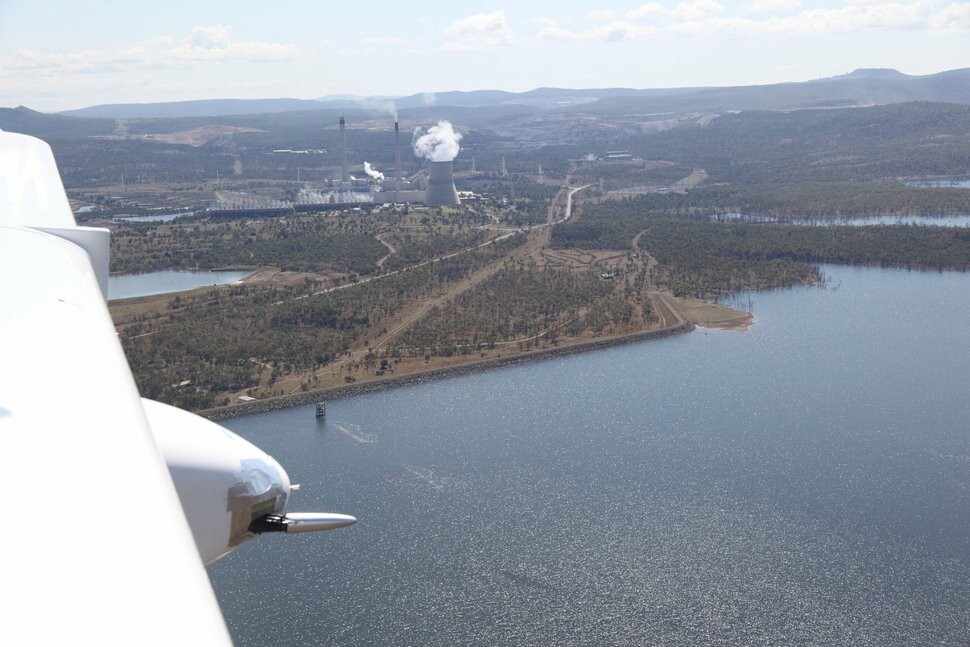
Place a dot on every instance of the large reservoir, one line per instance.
(804, 482)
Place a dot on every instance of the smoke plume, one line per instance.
(439, 144)
(371, 171)
(377, 104)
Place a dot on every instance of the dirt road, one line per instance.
(538, 239)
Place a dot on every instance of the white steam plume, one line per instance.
(439, 144)
(377, 104)
(371, 171)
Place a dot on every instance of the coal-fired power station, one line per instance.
(439, 145)
(441, 185)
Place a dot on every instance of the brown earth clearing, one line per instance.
(712, 315)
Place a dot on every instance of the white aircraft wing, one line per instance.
(97, 547)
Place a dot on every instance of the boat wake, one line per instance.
(425, 475)
(354, 433)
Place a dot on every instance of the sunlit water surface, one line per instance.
(126, 286)
(951, 220)
(158, 217)
(804, 482)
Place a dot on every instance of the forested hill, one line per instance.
(859, 88)
(201, 108)
(908, 139)
(43, 125)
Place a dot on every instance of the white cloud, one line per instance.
(707, 17)
(206, 44)
(215, 37)
(611, 32)
(649, 11)
(698, 10)
(556, 33)
(884, 16)
(26, 60)
(770, 6)
(476, 23)
(480, 31)
(542, 21)
(954, 16)
(216, 44)
(684, 11)
(618, 30)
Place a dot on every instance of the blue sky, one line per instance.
(62, 55)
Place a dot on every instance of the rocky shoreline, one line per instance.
(323, 395)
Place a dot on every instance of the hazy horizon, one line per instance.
(364, 99)
(181, 52)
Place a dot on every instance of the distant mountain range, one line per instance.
(858, 88)
(861, 87)
(200, 108)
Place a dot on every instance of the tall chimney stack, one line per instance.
(397, 161)
(441, 185)
(344, 175)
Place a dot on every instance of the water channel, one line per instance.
(159, 217)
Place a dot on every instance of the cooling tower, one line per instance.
(441, 185)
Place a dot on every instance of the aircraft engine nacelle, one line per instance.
(224, 482)
(230, 490)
